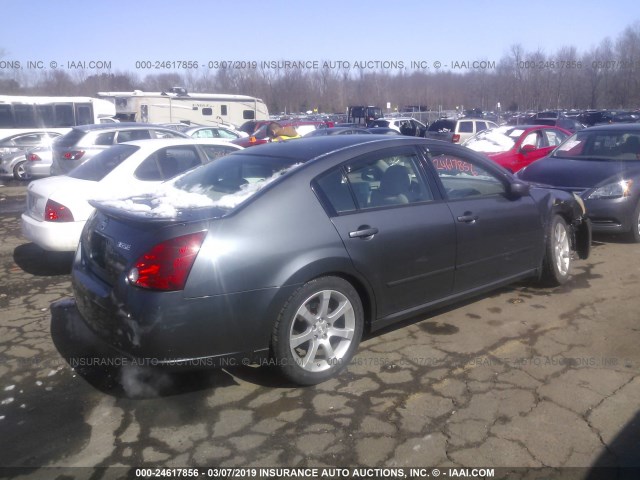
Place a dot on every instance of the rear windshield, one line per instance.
(99, 166)
(601, 145)
(232, 179)
(71, 138)
(442, 126)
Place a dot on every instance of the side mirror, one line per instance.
(528, 148)
(519, 189)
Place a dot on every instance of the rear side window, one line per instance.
(335, 187)
(130, 135)
(71, 139)
(105, 138)
(168, 162)
(166, 134)
(222, 133)
(27, 140)
(204, 133)
(99, 166)
(214, 152)
(442, 126)
(465, 127)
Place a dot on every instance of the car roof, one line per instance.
(206, 127)
(395, 118)
(155, 143)
(313, 147)
(31, 132)
(120, 126)
(533, 127)
(614, 126)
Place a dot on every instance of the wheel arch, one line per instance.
(342, 268)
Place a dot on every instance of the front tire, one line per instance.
(318, 331)
(20, 172)
(556, 265)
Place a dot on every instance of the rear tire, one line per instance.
(20, 172)
(556, 265)
(318, 331)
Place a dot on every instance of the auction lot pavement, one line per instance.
(523, 377)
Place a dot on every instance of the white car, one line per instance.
(58, 207)
(223, 133)
(405, 125)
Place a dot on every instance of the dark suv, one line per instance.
(83, 142)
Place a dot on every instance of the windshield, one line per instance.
(98, 167)
(236, 175)
(443, 126)
(224, 184)
(601, 145)
(493, 140)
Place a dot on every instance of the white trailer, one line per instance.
(177, 105)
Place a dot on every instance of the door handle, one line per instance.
(468, 217)
(364, 232)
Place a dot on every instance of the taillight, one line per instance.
(252, 139)
(56, 212)
(33, 157)
(455, 138)
(73, 155)
(167, 265)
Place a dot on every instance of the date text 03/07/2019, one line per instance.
(312, 472)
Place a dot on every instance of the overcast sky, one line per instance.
(125, 32)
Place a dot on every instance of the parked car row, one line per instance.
(30, 155)
(14, 152)
(291, 250)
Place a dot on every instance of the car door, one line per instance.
(398, 232)
(499, 236)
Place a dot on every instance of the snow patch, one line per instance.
(494, 140)
(168, 199)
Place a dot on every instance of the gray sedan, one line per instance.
(288, 252)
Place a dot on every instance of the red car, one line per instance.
(516, 146)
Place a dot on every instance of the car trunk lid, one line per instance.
(114, 238)
(62, 188)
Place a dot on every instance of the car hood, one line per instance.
(571, 173)
(501, 156)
